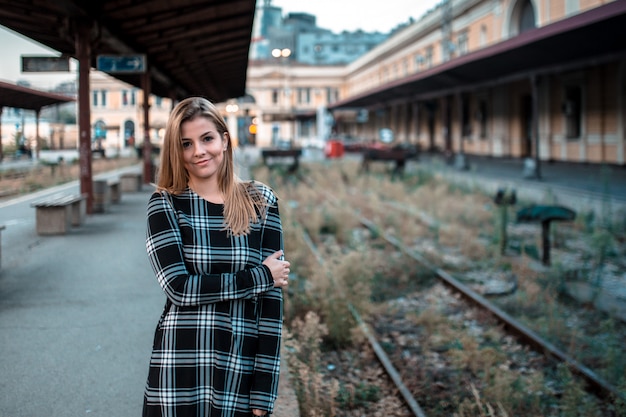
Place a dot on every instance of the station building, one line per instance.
(542, 79)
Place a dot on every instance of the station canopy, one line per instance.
(192, 47)
(20, 97)
(586, 39)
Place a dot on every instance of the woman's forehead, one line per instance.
(198, 125)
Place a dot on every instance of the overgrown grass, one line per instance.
(451, 220)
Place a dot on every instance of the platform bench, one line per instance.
(2, 227)
(57, 214)
(276, 157)
(131, 182)
(398, 155)
(115, 190)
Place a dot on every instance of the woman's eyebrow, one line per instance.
(202, 135)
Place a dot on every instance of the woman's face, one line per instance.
(203, 148)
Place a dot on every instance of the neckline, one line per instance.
(202, 198)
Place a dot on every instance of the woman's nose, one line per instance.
(198, 149)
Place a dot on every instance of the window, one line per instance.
(158, 101)
(331, 95)
(94, 98)
(461, 43)
(99, 130)
(428, 58)
(124, 97)
(419, 61)
(103, 96)
(527, 17)
(133, 98)
(572, 111)
(304, 95)
(483, 36)
(274, 96)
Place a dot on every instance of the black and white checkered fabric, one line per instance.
(216, 346)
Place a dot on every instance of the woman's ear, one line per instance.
(226, 140)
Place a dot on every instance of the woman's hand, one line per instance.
(279, 269)
(257, 412)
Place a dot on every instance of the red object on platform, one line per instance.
(334, 149)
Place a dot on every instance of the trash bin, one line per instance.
(334, 149)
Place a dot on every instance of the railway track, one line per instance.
(595, 384)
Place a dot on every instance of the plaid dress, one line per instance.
(216, 345)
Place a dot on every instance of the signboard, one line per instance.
(129, 64)
(362, 116)
(45, 64)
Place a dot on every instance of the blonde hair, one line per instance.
(243, 202)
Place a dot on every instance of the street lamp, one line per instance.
(277, 53)
(232, 109)
(283, 54)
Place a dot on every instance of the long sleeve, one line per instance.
(267, 362)
(164, 245)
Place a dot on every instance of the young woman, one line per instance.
(215, 245)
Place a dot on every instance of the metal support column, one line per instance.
(147, 147)
(535, 123)
(83, 55)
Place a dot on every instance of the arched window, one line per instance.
(129, 133)
(100, 131)
(526, 16)
(522, 17)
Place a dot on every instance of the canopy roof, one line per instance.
(193, 47)
(588, 38)
(12, 95)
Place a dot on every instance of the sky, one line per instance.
(350, 15)
(336, 15)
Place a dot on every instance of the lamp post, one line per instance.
(283, 55)
(232, 109)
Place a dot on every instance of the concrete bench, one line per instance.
(57, 214)
(2, 227)
(105, 192)
(115, 190)
(101, 196)
(131, 182)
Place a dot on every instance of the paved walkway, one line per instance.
(78, 311)
(581, 187)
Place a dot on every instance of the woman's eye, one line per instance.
(208, 138)
(186, 145)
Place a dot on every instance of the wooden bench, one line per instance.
(275, 157)
(57, 214)
(131, 182)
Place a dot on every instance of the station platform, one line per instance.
(78, 312)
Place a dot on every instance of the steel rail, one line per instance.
(409, 400)
(596, 384)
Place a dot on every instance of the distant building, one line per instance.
(327, 48)
(308, 43)
(470, 77)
